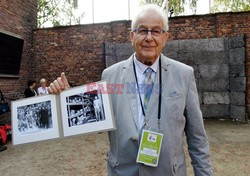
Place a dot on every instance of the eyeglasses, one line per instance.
(144, 31)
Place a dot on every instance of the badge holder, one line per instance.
(150, 147)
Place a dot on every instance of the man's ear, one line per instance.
(132, 35)
(166, 35)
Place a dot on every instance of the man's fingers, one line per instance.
(53, 88)
(65, 81)
(59, 80)
(57, 86)
(50, 90)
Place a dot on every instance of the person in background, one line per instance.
(30, 91)
(43, 90)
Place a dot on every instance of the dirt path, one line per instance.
(85, 155)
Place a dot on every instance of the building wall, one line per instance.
(76, 50)
(79, 50)
(19, 19)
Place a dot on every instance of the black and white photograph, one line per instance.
(85, 108)
(34, 117)
(86, 111)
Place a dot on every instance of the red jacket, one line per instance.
(3, 133)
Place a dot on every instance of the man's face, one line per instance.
(148, 47)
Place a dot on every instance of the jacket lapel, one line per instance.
(153, 102)
(165, 72)
(129, 77)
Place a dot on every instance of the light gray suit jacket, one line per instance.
(180, 112)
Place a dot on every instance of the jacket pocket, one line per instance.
(174, 95)
(178, 165)
(174, 104)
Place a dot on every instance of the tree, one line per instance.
(177, 6)
(230, 5)
(57, 12)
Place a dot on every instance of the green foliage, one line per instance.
(230, 5)
(57, 12)
(176, 5)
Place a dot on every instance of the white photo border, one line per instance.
(106, 125)
(51, 133)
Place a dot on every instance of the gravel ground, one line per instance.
(85, 155)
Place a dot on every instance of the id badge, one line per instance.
(150, 148)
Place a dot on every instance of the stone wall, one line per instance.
(237, 77)
(214, 26)
(218, 66)
(18, 18)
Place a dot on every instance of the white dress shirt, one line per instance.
(140, 69)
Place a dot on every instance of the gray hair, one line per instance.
(153, 8)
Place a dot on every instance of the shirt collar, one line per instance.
(142, 67)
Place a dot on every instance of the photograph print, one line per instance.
(34, 119)
(84, 108)
(85, 111)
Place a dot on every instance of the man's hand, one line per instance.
(59, 85)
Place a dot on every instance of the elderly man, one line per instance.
(168, 105)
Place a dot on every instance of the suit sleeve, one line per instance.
(197, 140)
(103, 77)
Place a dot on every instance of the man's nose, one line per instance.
(149, 36)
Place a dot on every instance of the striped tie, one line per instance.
(148, 87)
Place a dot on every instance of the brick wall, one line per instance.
(77, 50)
(80, 49)
(19, 19)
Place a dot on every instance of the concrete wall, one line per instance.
(218, 66)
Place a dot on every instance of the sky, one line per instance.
(113, 10)
(99, 11)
